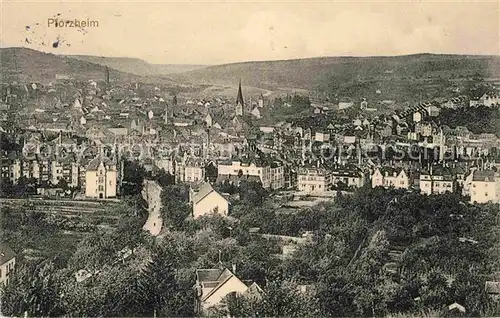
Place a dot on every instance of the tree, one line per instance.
(133, 177)
(252, 193)
(175, 208)
(283, 299)
(94, 252)
(63, 184)
(33, 289)
(160, 290)
(164, 178)
(373, 286)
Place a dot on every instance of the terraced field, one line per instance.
(67, 208)
(64, 224)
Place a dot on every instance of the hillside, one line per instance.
(323, 74)
(137, 66)
(31, 65)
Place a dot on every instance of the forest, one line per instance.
(376, 252)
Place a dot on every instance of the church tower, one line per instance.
(239, 102)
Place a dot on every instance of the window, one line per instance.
(486, 194)
(101, 179)
(101, 188)
(110, 182)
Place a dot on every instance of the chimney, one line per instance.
(234, 269)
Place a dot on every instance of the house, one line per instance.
(100, 178)
(209, 120)
(364, 104)
(345, 104)
(206, 201)
(190, 170)
(256, 112)
(166, 164)
(277, 175)
(7, 263)
(349, 176)
(119, 131)
(390, 177)
(424, 129)
(456, 307)
(485, 187)
(247, 166)
(437, 180)
(94, 133)
(492, 289)
(213, 285)
(261, 101)
(266, 129)
(77, 104)
(322, 136)
(466, 184)
(312, 179)
(489, 100)
(66, 169)
(432, 110)
(386, 131)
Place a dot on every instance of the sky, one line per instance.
(209, 32)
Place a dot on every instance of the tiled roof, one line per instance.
(206, 275)
(485, 176)
(492, 287)
(203, 191)
(6, 253)
(95, 163)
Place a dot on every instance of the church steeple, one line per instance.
(240, 103)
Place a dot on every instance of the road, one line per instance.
(151, 193)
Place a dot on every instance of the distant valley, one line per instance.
(322, 73)
(137, 66)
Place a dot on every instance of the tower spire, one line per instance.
(240, 103)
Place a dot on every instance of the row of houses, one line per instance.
(97, 177)
(481, 185)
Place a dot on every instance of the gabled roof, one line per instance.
(6, 253)
(96, 162)
(203, 191)
(492, 287)
(390, 170)
(208, 275)
(215, 279)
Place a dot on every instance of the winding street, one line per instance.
(151, 193)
